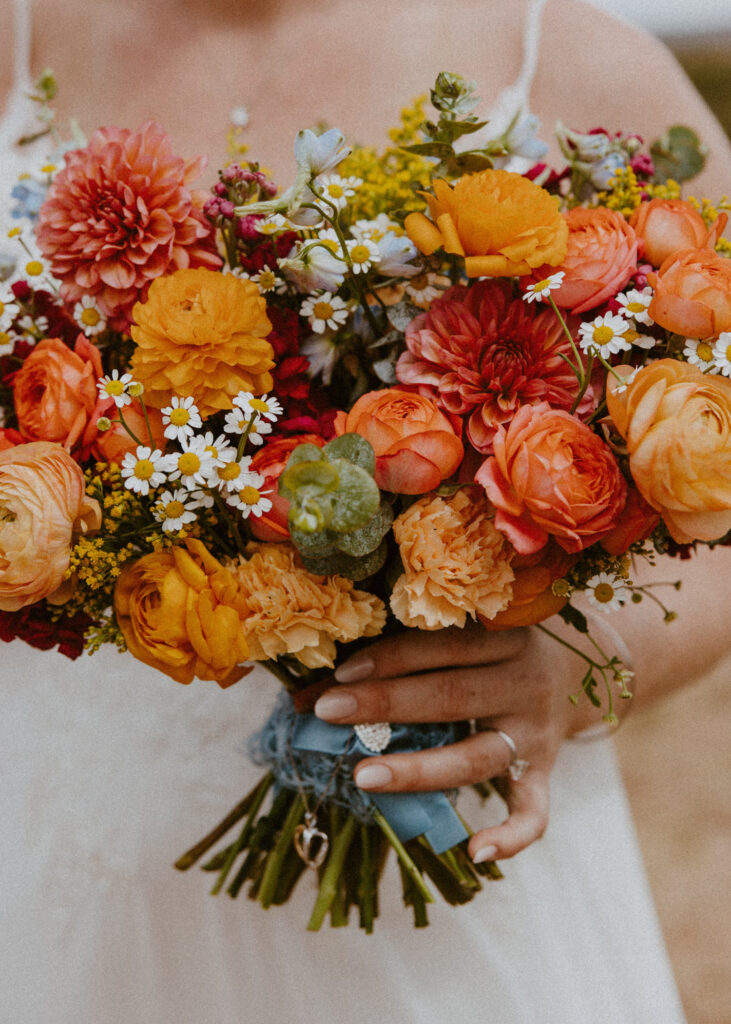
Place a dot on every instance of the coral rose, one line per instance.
(500, 222)
(9, 438)
(552, 476)
(693, 294)
(183, 613)
(455, 562)
(204, 334)
(120, 214)
(269, 461)
(636, 521)
(43, 503)
(600, 259)
(677, 425)
(415, 444)
(533, 599)
(293, 611)
(55, 391)
(664, 226)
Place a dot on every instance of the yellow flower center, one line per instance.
(728, 353)
(34, 268)
(636, 307)
(322, 310)
(250, 495)
(542, 286)
(2, 307)
(144, 469)
(14, 232)
(419, 282)
(48, 168)
(230, 471)
(335, 190)
(603, 335)
(174, 509)
(258, 405)
(211, 450)
(114, 388)
(90, 317)
(5, 338)
(360, 254)
(704, 351)
(189, 463)
(604, 592)
(179, 417)
(630, 336)
(331, 244)
(267, 280)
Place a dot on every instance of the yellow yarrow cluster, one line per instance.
(388, 178)
(669, 190)
(624, 194)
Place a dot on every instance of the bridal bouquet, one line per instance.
(414, 388)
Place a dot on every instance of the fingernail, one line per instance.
(336, 705)
(354, 670)
(486, 853)
(371, 776)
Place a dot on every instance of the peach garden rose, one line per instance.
(693, 294)
(664, 226)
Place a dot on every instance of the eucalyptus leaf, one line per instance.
(347, 565)
(353, 448)
(441, 150)
(400, 314)
(385, 370)
(358, 497)
(678, 154)
(368, 537)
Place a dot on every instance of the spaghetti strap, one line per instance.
(21, 44)
(515, 98)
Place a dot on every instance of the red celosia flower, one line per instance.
(483, 354)
(32, 625)
(120, 214)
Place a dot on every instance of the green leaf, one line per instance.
(573, 617)
(401, 314)
(678, 154)
(367, 538)
(353, 448)
(441, 150)
(347, 565)
(459, 128)
(469, 163)
(358, 497)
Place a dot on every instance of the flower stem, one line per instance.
(406, 862)
(331, 875)
(241, 843)
(281, 848)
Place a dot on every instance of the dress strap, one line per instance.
(515, 98)
(21, 43)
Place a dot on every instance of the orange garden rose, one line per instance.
(500, 222)
(415, 444)
(533, 599)
(676, 421)
(270, 461)
(455, 562)
(202, 334)
(664, 226)
(293, 611)
(55, 391)
(183, 613)
(601, 257)
(551, 475)
(693, 294)
(43, 503)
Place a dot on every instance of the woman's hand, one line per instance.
(517, 681)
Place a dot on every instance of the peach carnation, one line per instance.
(502, 223)
(293, 611)
(456, 563)
(204, 334)
(119, 215)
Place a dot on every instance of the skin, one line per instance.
(186, 63)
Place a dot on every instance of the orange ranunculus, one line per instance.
(693, 294)
(112, 445)
(664, 226)
(533, 599)
(9, 438)
(204, 334)
(415, 444)
(456, 563)
(552, 475)
(55, 391)
(182, 612)
(43, 503)
(270, 461)
(636, 521)
(677, 425)
(601, 257)
(500, 222)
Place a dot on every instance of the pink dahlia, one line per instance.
(483, 354)
(120, 214)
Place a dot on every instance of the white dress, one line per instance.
(110, 771)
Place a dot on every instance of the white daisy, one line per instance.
(376, 229)
(363, 254)
(115, 387)
(267, 281)
(37, 324)
(313, 267)
(174, 509)
(193, 465)
(264, 406)
(238, 422)
(249, 500)
(181, 418)
(88, 316)
(9, 310)
(322, 353)
(722, 353)
(329, 238)
(219, 447)
(635, 304)
(274, 224)
(337, 190)
(231, 477)
(35, 269)
(143, 469)
(423, 289)
(607, 591)
(626, 381)
(700, 354)
(539, 290)
(325, 310)
(7, 342)
(396, 255)
(604, 336)
(645, 341)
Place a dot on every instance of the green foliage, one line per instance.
(678, 154)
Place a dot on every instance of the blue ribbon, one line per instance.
(409, 814)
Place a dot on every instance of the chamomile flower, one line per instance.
(88, 316)
(363, 255)
(325, 310)
(268, 281)
(329, 238)
(266, 407)
(722, 353)
(193, 465)
(604, 335)
(700, 354)
(538, 291)
(174, 509)
(635, 304)
(239, 422)
(219, 447)
(232, 477)
(115, 387)
(274, 224)
(35, 269)
(181, 418)
(645, 341)
(33, 324)
(337, 190)
(9, 310)
(376, 229)
(143, 469)
(249, 500)
(321, 352)
(626, 381)
(423, 289)
(607, 591)
(7, 342)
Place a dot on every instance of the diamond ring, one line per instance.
(518, 765)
